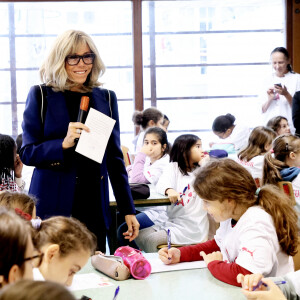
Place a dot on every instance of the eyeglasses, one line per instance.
(74, 60)
(35, 260)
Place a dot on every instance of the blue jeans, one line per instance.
(144, 223)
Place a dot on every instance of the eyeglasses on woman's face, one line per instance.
(35, 260)
(74, 60)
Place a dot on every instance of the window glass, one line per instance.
(209, 58)
(33, 28)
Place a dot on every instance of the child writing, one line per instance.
(67, 245)
(252, 157)
(17, 257)
(234, 136)
(185, 217)
(10, 165)
(284, 165)
(148, 166)
(23, 204)
(255, 286)
(150, 117)
(280, 125)
(258, 230)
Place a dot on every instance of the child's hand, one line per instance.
(18, 167)
(250, 281)
(274, 292)
(171, 256)
(146, 149)
(211, 256)
(173, 195)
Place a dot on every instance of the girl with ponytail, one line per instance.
(257, 233)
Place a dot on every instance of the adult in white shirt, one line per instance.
(280, 88)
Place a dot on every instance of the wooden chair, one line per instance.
(287, 188)
(125, 151)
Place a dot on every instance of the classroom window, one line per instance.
(205, 57)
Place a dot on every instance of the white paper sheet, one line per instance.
(88, 281)
(158, 266)
(93, 144)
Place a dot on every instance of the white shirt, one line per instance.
(296, 188)
(254, 166)
(187, 222)
(280, 107)
(140, 141)
(238, 138)
(253, 244)
(295, 278)
(37, 275)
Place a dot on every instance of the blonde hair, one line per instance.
(283, 145)
(53, 71)
(226, 179)
(258, 139)
(13, 200)
(35, 290)
(70, 234)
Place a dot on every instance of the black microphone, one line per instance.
(84, 105)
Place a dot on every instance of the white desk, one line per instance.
(178, 285)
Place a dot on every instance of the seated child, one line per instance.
(284, 164)
(255, 286)
(23, 204)
(10, 165)
(252, 157)
(234, 137)
(280, 125)
(17, 257)
(150, 117)
(258, 230)
(185, 217)
(148, 166)
(35, 290)
(166, 123)
(66, 244)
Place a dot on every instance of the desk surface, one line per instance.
(181, 285)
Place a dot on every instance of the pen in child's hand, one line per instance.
(116, 293)
(181, 195)
(260, 283)
(169, 241)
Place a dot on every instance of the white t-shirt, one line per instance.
(140, 141)
(280, 107)
(253, 244)
(239, 138)
(37, 275)
(254, 166)
(187, 222)
(295, 278)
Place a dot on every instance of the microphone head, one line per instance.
(84, 104)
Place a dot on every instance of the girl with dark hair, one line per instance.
(17, 258)
(148, 166)
(280, 125)
(10, 165)
(150, 117)
(234, 137)
(252, 157)
(258, 230)
(281, 86)
(185, 217)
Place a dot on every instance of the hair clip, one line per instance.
(257, 191)
(286, 147)
(36, 223)
(22, 214)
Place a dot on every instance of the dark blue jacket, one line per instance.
(52, 183)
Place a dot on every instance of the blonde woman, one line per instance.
(65, 182)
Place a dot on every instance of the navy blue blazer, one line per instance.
(52, 183)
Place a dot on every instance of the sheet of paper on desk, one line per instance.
(93, 144)
(158, 266)
(88, 281)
